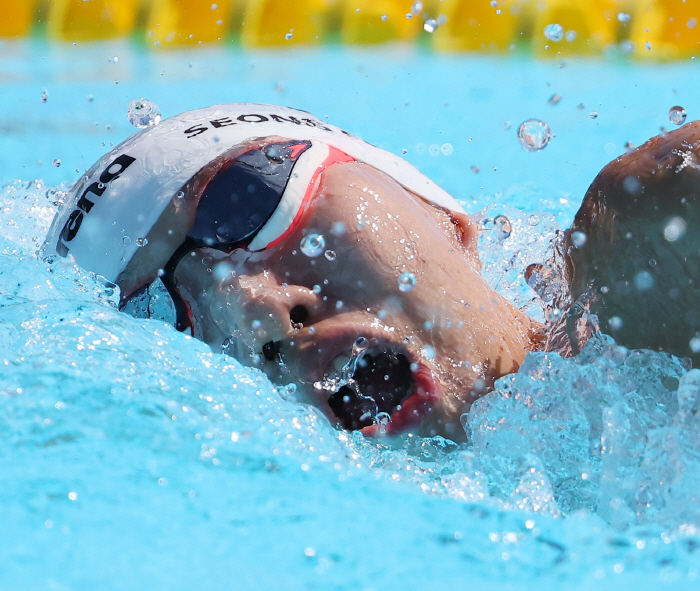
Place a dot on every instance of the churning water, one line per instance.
(132, 457)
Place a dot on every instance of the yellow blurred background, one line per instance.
(644, 29)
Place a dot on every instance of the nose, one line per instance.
(258, 309)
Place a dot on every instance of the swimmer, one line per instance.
(324, 261)
(307, 253)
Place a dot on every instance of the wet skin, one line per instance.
(456, 333)
(638, 263)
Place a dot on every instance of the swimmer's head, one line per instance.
(283, 240)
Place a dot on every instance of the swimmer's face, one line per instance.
(430, 350)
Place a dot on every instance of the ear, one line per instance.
(467, 230)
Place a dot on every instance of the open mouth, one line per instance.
(377, 385)
(380, 389)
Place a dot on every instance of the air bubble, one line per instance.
(417, 8)
(57, 162)
(623, 17)
(330, 255)
(503, 227)
(180, 194)
(677, 115)
(143, 113)
(695, 344)
(554, 32)
(288, 36)
(534, 135)
(141, 242)
(579, 239)
(126, 241)
(593, 114)
(44, 95)
(407, 281)
(446, 149)
(570, 36)
(313, 245)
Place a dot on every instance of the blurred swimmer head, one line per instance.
(307, 253)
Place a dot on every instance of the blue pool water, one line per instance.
(131, 457)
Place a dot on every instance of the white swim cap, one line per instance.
(123, 195)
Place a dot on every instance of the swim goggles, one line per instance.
(252, 202)
(110, 211)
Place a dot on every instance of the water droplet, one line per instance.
(126, 241)
(141, 242)
(534, 135)
(338, 229)
(570, 36)
(554, 32)
(692, 22)
(674, 229)
(57, 162)
(384, 17)
(554, 99)
(647, 45)
(502, 226)
(417, 8)
(409, 16)
(313, 245)
(339, 305)
(143, 113)
(593, 114)
(579, 239)
(430, 25)
(288, 36)
(44, 95)
(360, 345)
(615, 323)
(316, 289)
(677, 115)
(214, 6)
(330, 255)
(623, 17)
(382, 418)
(407, 281)
(644, 281)
(695, 345)
(428, 351)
